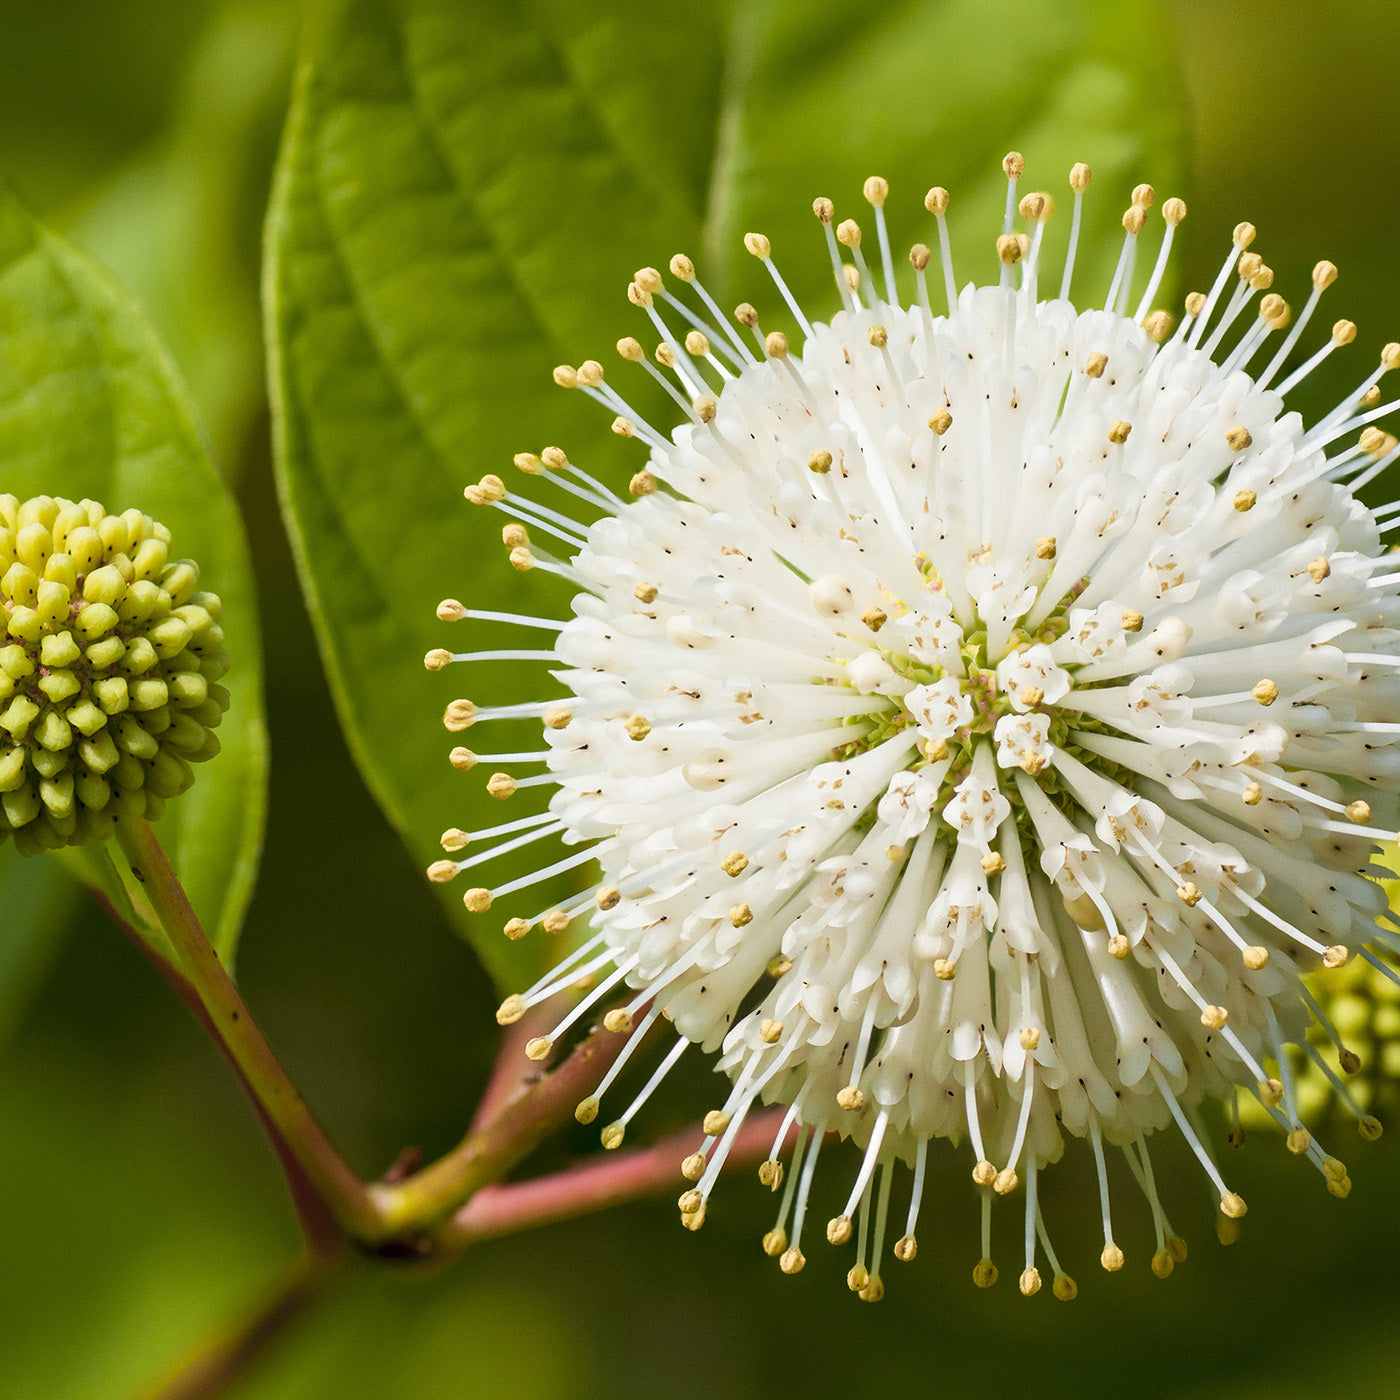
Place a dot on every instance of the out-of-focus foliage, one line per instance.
(38, 902)
(143, 1210)
(179, 220)
(464, 194)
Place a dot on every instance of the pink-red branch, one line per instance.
(429, 1197)
(512, 1073)
(597, 1184)
(322, 1233)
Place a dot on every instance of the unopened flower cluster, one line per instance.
(983, 719)
(109, 671)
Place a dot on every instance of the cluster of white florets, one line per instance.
(980, 720)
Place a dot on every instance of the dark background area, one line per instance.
(141, 1206)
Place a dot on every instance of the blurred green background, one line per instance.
(141, 1206)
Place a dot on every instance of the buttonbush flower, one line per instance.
(982, 720)
(109, 671)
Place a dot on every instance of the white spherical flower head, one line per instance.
(982, 720)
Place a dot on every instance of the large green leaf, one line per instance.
(464, 192)
(90, 407)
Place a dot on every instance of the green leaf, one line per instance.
(462, 197)
(90, 407)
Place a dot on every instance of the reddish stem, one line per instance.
(597, 1184)
(512, 1073)
(544, 1103)
(323, 1235)
(230, 1022)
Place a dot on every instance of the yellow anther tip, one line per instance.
(838, 1229)
(1232, 1205)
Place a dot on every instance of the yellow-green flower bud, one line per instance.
(109, 666)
